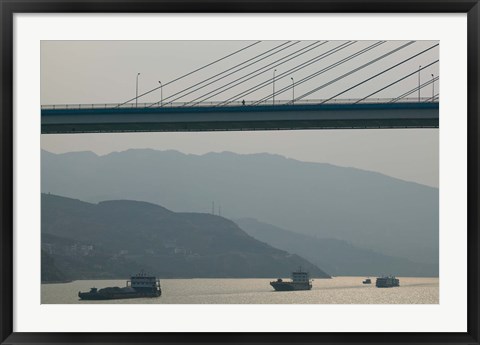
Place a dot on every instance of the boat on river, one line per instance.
(387, 281)
(139, 286)
(300, 281)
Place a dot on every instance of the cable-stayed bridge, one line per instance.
(278, 88)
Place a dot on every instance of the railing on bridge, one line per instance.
(237, 103)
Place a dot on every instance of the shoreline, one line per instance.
(57, 282)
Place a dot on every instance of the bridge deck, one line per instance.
(303, 116)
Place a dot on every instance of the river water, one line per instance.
(338, 290)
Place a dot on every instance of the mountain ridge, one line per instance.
(339, 258)
(113, 238)
(371, 210)
(259, 154)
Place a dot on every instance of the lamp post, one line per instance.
(161, 93)
(136, 93)
(433, 88)
(419, 83)
(293, 91)
(274, 86)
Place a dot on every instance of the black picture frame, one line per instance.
(10, 7)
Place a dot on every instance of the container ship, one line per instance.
(139, 286)
(300, 281)
(388, 281)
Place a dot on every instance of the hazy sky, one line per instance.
(87, 72)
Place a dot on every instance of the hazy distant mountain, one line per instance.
(337, 257)
(368, 209)
(118, 238)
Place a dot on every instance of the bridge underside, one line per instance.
(240, 118)
(235, 126)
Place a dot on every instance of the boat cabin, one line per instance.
(300, 277)
(143, 281)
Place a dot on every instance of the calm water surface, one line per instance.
(341, 290)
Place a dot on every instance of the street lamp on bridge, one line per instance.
(136, 93)
(419, 83)
(161, 93)
(293, 91)
(433, 88)
(273, 82)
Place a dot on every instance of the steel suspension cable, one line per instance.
(218, 74)
(354, 70)
(430, 81)
(190, 73)
(297, 68)
(378, 74)
(397, 81)
(268, 66)
(432, 98)
(199, 88)
(332, 66)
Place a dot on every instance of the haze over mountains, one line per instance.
(337, 257)
(367, 210)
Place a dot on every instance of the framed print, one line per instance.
(239, 172)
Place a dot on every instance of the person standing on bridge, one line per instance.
(243, 102)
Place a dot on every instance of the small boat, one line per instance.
(367, 281)
(387, 281)
(300, 281)
(139, 286)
